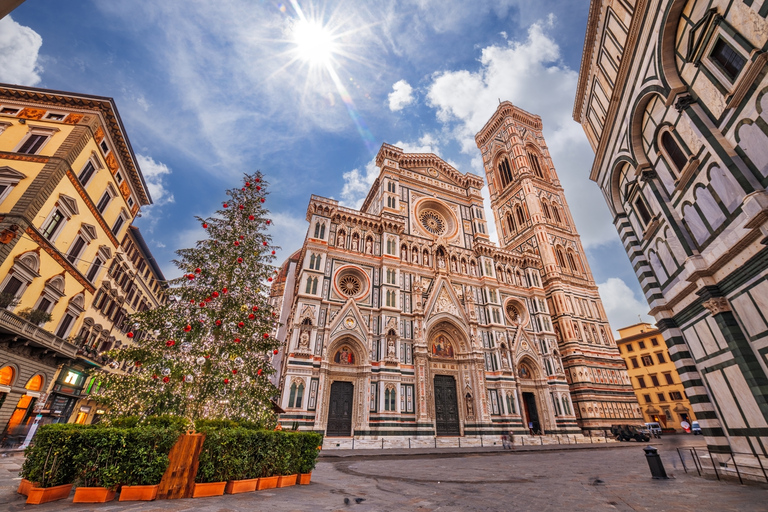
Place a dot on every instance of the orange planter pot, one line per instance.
(24, 486)
(238, 486)
(267, 482)
(304, 478)
(38, 495)
(138, 492)
(286, 480)
(210, 489)
(93, 495)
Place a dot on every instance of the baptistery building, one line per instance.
(402, 318)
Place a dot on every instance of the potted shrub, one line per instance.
(214, 467)
(310, 449)
(243, 476)
(266, 453)
(35, 316)
(8, 300)
(99, 464)
(288, 465)
(48, 463)
(143, 466)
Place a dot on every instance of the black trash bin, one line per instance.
(654, 462)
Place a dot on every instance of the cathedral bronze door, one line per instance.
(446, 406)
(340, 410)
(531, 413)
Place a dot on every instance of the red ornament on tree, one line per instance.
(154, 377)
(251, 217)
(202, 304)
(187, 328)
(130, 335)
(275, 351)
(258, 187)
(198, 270)
(269, 279)
(266, 335)
(224, 290)
(215, 294)
(207, 356)
(226, 381)
(218, 322)
(234, 372)
(255, 308)
(207, 299)
(269, 221)
(251, 316)
(240, 324)
(226, 205)
(190, 276)
(257, 180)
(258, 372)
(239, 260)
(265, 243)
(242, 207)
(242, 237)
(262, 199)
(138, 363)
(166, 379)
(247, 183)
(205, 226)
(273, 252)
(237, 340)
(170, 343)
(237, 243)
(191, 301)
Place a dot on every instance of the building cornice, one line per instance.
(638, 18)
(105, 107)
(586, 57)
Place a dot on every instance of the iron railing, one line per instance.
(744, 466)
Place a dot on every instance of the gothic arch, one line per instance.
(446, 324)
(636, 123)
(357, 346)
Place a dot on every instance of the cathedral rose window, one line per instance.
(350, 285)
(436, 218)
(351, 282)
(433, 222)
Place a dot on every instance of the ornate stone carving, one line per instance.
(683, 102)
(444, 304)
(717, 305)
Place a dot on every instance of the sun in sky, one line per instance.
(315, 43)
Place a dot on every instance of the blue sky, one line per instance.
(208, 90)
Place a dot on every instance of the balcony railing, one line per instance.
(36, 334)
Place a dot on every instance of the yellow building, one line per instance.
(654, 377)
(69, 189)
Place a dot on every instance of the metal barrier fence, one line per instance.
(744, 466)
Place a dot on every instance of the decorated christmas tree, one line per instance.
(207, 353)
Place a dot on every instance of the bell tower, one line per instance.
(532, 216)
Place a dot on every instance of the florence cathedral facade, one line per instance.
(404, 319)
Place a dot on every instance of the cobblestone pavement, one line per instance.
(603, 477)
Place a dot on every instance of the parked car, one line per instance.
(629, 432)
(695, 428)
(654, 429)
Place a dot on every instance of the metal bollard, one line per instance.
(654, 462)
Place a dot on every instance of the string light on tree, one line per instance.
(212, 337)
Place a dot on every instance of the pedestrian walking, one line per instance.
(504, 442)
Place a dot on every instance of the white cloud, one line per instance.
(154, 173)
(19, 47)
(529, 74)
(401, 95)
(621, 305)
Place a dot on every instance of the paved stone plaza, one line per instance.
(602, 477)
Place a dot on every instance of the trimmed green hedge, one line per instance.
(242, 453)
(94, 456)
(109, 456)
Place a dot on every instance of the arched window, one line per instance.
(674, 151)
(510, 224)
(292, 396)
(547, 214)
(35, 383)
(390, 395)
(312, 261)
(311, 286)
(560, 257)
(556, 214)
(520, 215)
(317, 230)
(572, 262)
(505, 172)
(7, 374)
(535, 164)
(299, 394)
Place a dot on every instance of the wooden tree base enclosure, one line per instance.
(179, 479)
